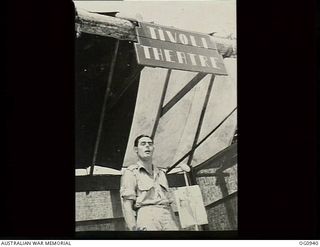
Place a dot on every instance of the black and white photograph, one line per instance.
(160, 120)
(156, 116)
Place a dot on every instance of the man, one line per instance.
(145, 192)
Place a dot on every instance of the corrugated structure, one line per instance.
(117, 99)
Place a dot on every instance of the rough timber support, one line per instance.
(123, 29)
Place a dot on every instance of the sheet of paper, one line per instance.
(190, 206)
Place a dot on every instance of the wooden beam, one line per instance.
(104, 25)
(112, 182)
(215, 174)
(195, 80)
(98, 221)
(125, 30)
(129, 81)
(97, 183)
(222, 200)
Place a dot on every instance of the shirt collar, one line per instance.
(140, 165)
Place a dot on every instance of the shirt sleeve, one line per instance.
(128, 185)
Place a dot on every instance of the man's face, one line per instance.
(145, 148)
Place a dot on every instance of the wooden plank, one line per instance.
(212, 174)
(191, 84)
(222, 200)
(99, 221)
(112, 182)
(97, 183)
(125, 30)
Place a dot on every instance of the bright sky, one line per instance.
(201, 16)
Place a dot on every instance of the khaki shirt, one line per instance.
(138, 185)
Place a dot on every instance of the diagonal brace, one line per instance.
(195, 80)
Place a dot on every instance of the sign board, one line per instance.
(190, 206)
(165, 47)
(174, 35)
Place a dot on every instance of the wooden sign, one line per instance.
(157, 53)
(174, 35)
(165, 47)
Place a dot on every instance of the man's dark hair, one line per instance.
(136, 141)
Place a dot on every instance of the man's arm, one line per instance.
(129, 214)
(128, 194)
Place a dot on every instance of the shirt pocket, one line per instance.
(145, 184)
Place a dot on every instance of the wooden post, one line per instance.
(203, 111)
(164, 90)
(106, 96)
(204, 107)
(117, 209)
(186, 178)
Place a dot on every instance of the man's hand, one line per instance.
(184, 167)
(129, 214)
